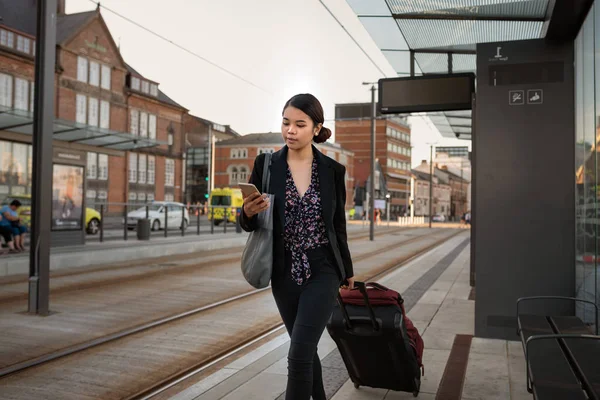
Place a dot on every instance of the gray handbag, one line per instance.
(257, 257)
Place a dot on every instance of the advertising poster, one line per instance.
(67, 197)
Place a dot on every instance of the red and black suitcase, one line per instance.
(373, 340)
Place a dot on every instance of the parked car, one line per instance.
(439, 218)
(156, 214)
(92, 217)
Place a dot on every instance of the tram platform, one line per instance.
(439, 300)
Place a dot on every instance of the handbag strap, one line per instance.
(266, 175)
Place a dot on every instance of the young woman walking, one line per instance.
(311, 259)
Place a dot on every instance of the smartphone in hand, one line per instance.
(248, 189)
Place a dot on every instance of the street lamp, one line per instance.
(387, 198)
(371, 202)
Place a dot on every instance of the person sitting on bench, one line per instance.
(12, 221)
(6, 233)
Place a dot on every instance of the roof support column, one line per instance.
(39, 258)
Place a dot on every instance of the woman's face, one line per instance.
(297, 129)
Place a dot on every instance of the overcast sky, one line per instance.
(283, 47)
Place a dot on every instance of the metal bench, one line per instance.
(561, 352)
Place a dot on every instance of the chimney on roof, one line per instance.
(61, 7)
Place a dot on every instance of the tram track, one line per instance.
(15, 289)
(245, 339)
(165, 320)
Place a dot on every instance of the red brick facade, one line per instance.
(93, 42)
(392, 150)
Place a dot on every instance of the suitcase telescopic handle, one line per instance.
(363, 290)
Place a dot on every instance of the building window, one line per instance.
(239, 153)
(143, 124)
(21, 94)
(132, 167)
(102, 195)
(170, 139)
(104, 114)
(94, 73)
(20, 43)
(6, 85)
(142, 168)
(23, 44)
(151, 170)
(103, 167)
(169, 172)
(105, 77)
(135, 83)
(141, 196)
(154, 90)
(169, 197)
(91, 195)
(6, 38)
(152, 126)
(82, 69)
(265, 150)
(81, 109)
(243, 174)
(92, 166)
(145, 87)
(132, 196)
(150, 197)
(134, 122)
(93, 112)
(343, 160)
(233, 176)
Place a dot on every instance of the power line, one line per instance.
(352, 37)
(180, 46)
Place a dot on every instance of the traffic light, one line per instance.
(206, 196)
(206, 178)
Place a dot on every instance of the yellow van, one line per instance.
(222, 199)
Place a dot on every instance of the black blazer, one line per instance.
(333, 201)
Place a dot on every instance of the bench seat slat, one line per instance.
(541, 391)
(571, 325)
(585, 352)
(550, 371)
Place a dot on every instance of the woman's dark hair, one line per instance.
(16, 203)
(309, 105)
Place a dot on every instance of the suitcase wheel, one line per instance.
(356, 386)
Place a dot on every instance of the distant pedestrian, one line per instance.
(311, 258)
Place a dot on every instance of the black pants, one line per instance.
(6, 233)
(305, 310)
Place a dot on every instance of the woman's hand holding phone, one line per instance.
(255, 203)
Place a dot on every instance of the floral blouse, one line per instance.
(304, 225)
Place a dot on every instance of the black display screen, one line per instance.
(426, 93)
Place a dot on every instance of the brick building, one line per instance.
(440, 195)
(198, 132)
(458, 188)
(392, 150)
(126, 131)
(234, 158)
